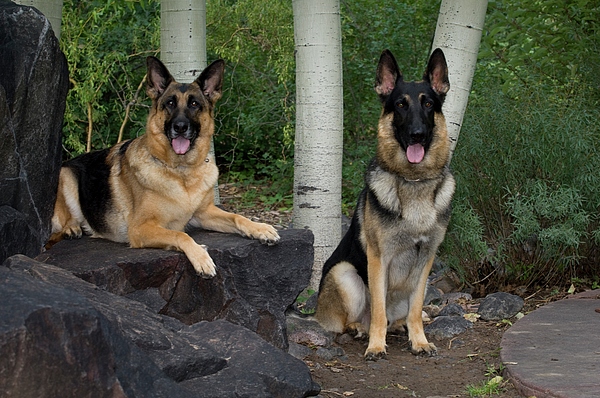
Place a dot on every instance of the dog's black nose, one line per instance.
(180, 127)
(417, 135)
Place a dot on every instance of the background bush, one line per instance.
(526, 206)
(527, 160)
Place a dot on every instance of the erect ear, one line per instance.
(158, 77)
(437, 72)
(211, 80)
(387, 75)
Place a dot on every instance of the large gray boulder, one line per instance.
(254, 285)
(62, 336)
(34, 81)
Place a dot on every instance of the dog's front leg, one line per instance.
(378, 288)
(215, 219)
(414, 320)
(152, 234)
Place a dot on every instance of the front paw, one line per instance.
(375, 354)
(423, 349)
(201, 261)
(265, 233)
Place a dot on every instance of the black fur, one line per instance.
(92, 172)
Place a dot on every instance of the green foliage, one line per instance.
(526, 168)
(256, 113)
(548, 44)
(527, 156)
(487, 388)
(105, 43)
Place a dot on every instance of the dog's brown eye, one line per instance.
(428, 104)
(170, 103)
(401, 105)
(194, 104)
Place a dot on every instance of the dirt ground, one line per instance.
(469, 359)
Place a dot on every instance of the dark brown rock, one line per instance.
(34, 81)
(208, 359)
(253, 287)
(54, 343)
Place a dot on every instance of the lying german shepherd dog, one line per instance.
(144, 191)
(378, 273)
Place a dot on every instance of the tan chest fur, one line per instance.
(170, 192)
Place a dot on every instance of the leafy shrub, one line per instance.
(106, 43)
(526, 162)
(526, 167)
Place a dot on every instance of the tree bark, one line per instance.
(52, 10)
(183, 43)
(319, 125)
(183, 38)
(458, 33)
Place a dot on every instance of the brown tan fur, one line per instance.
(376, 278)
(153, 191)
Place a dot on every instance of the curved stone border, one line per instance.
(555, 350)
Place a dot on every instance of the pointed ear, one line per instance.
(436, 73)
(387, 75)
(211, 80)
(158, 78)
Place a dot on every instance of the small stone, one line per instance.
(336, 351)
(452, 309)
(448, 326)
(501, 305)
(343, 338)
(455, 297)
(325, 354)
(432, 310)
(298, 350)
(432, 295)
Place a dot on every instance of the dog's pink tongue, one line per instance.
(180, 145)
(415, 153)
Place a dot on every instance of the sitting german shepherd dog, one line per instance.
(144, 191)
(378, 273)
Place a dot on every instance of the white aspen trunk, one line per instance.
(319, 126)
(52, 10)
(458, 33)
(183, 43)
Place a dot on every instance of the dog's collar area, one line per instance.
(446, 169)
(164, 164)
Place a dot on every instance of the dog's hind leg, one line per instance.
(68, 217)
(414, 320)
(343, 304)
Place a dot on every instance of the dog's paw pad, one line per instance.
(202, 263)
(357, 331)
(266, 234)
(72, 232)
(428, 349)
(375, 355)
